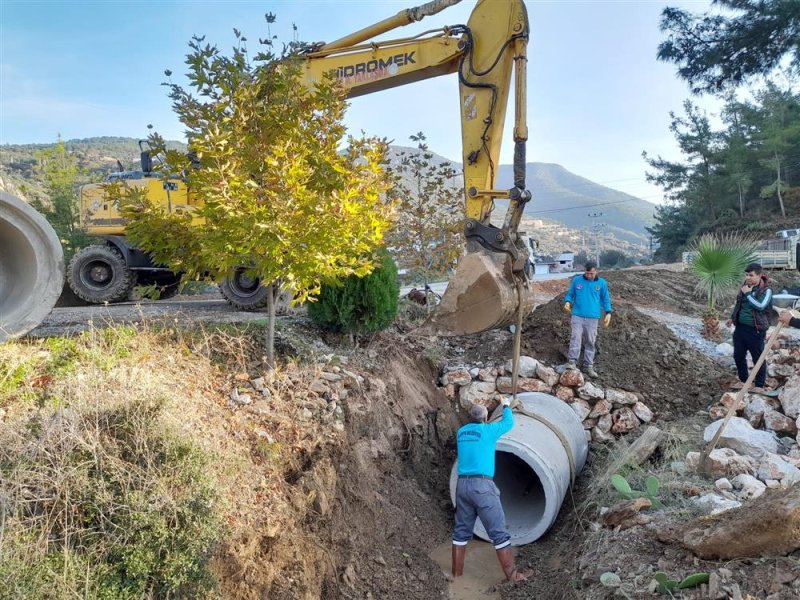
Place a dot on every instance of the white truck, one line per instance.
(781, 252)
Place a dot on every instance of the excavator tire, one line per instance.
(244, 292)
(99, 274)
(247, 293)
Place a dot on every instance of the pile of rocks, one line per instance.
(604, 412)
(746, 462)
(317, 395)
(760, 446)
(780, 414)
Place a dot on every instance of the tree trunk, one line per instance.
(271, 325)
(778, 185)
(741, 201)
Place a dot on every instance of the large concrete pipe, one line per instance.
(31, 267)
(535, 464)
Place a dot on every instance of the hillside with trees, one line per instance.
(740, 171)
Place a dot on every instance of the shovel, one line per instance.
(704, 463)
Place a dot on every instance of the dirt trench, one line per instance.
(392, 503)
(364, 512)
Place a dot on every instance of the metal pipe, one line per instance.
(404, 17)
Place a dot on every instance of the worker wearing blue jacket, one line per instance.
(476, 493)
(587, 295)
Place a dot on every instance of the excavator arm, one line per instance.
(490, 285)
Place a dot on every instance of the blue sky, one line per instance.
(597, 97)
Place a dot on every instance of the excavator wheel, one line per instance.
(243, 291)
(246, 292)
(99, 274)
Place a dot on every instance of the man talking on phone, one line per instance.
(751, 318)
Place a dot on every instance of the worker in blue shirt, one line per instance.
(476, 493)
(587, 294)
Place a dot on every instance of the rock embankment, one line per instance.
(760, 446)
(604, 412)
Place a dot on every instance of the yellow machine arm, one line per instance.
(490, 284)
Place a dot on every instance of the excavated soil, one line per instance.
(392, 504)
(389, 503)
(659, 288)
(636, 353)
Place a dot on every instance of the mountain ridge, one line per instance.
(558, 194)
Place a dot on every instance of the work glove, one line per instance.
(568, 307)
(607, 320)
(505, 400)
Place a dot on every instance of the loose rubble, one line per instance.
(760, 446)
(604, 412)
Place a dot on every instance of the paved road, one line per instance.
(208, 308)
(440, 286)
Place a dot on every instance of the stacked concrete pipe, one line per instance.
(31, 267)
(535, 465)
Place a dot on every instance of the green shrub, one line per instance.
(104, 503)
(359, 304)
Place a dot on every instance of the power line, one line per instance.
(596, 227)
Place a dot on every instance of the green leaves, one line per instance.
(718, 51)
(720, 263)
(621, 485)
(665, 585)
(279, 188)
(730, 178)
(360, 304)
(651, 484)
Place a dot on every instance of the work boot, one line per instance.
(459, 553)
(509, 566)
(589, 370)
(570, 364)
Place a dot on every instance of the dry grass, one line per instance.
(681, 438)
(124, 471)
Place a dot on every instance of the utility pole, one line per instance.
(596, 229)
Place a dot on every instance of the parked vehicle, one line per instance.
(781, 252)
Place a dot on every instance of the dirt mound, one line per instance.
(658, 288)
(663, 289)
(636, 353)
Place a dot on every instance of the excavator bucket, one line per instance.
(482, 295)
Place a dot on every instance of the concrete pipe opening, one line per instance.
(31, 267)
(533, 466)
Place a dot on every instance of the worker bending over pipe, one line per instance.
(476, 493)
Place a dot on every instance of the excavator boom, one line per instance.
(490, 284)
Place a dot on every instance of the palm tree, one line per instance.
(719, 265)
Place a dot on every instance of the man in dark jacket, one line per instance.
(751, 318)
(476, 493)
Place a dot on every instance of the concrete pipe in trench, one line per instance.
(532, 466)
(31, 267)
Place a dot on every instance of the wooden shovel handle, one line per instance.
(740, 394)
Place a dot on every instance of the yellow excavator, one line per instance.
(491, 284)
